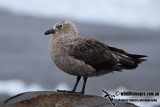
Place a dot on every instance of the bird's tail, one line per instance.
(127, 60)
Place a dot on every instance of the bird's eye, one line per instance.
(61, 25)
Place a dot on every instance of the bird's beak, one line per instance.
(51, 31)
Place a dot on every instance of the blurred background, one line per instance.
(25, 62)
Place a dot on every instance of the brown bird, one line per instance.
(86, 57)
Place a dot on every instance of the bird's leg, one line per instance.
(75, 86)
(84, 85)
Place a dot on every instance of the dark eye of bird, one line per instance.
(61, 26)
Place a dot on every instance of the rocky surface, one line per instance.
(52, 98)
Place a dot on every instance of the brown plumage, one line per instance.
(103, 57)
(86, 57)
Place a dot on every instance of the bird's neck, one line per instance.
(64, 35)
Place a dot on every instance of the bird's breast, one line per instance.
(61, 58)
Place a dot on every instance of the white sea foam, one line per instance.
(13, 87)
(133, 13)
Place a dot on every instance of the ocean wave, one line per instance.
(13, 87)
(130, 13)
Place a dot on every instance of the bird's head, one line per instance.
(63, 28)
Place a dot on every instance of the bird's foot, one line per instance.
(66, 91)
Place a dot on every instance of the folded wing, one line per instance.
(103, 57)
(95, 54)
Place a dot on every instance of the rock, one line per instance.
(59, 99)
(3, 97)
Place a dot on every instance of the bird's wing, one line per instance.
(93, 53)
(127, 60)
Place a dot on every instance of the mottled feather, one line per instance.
(94, 53)
(103, 57)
